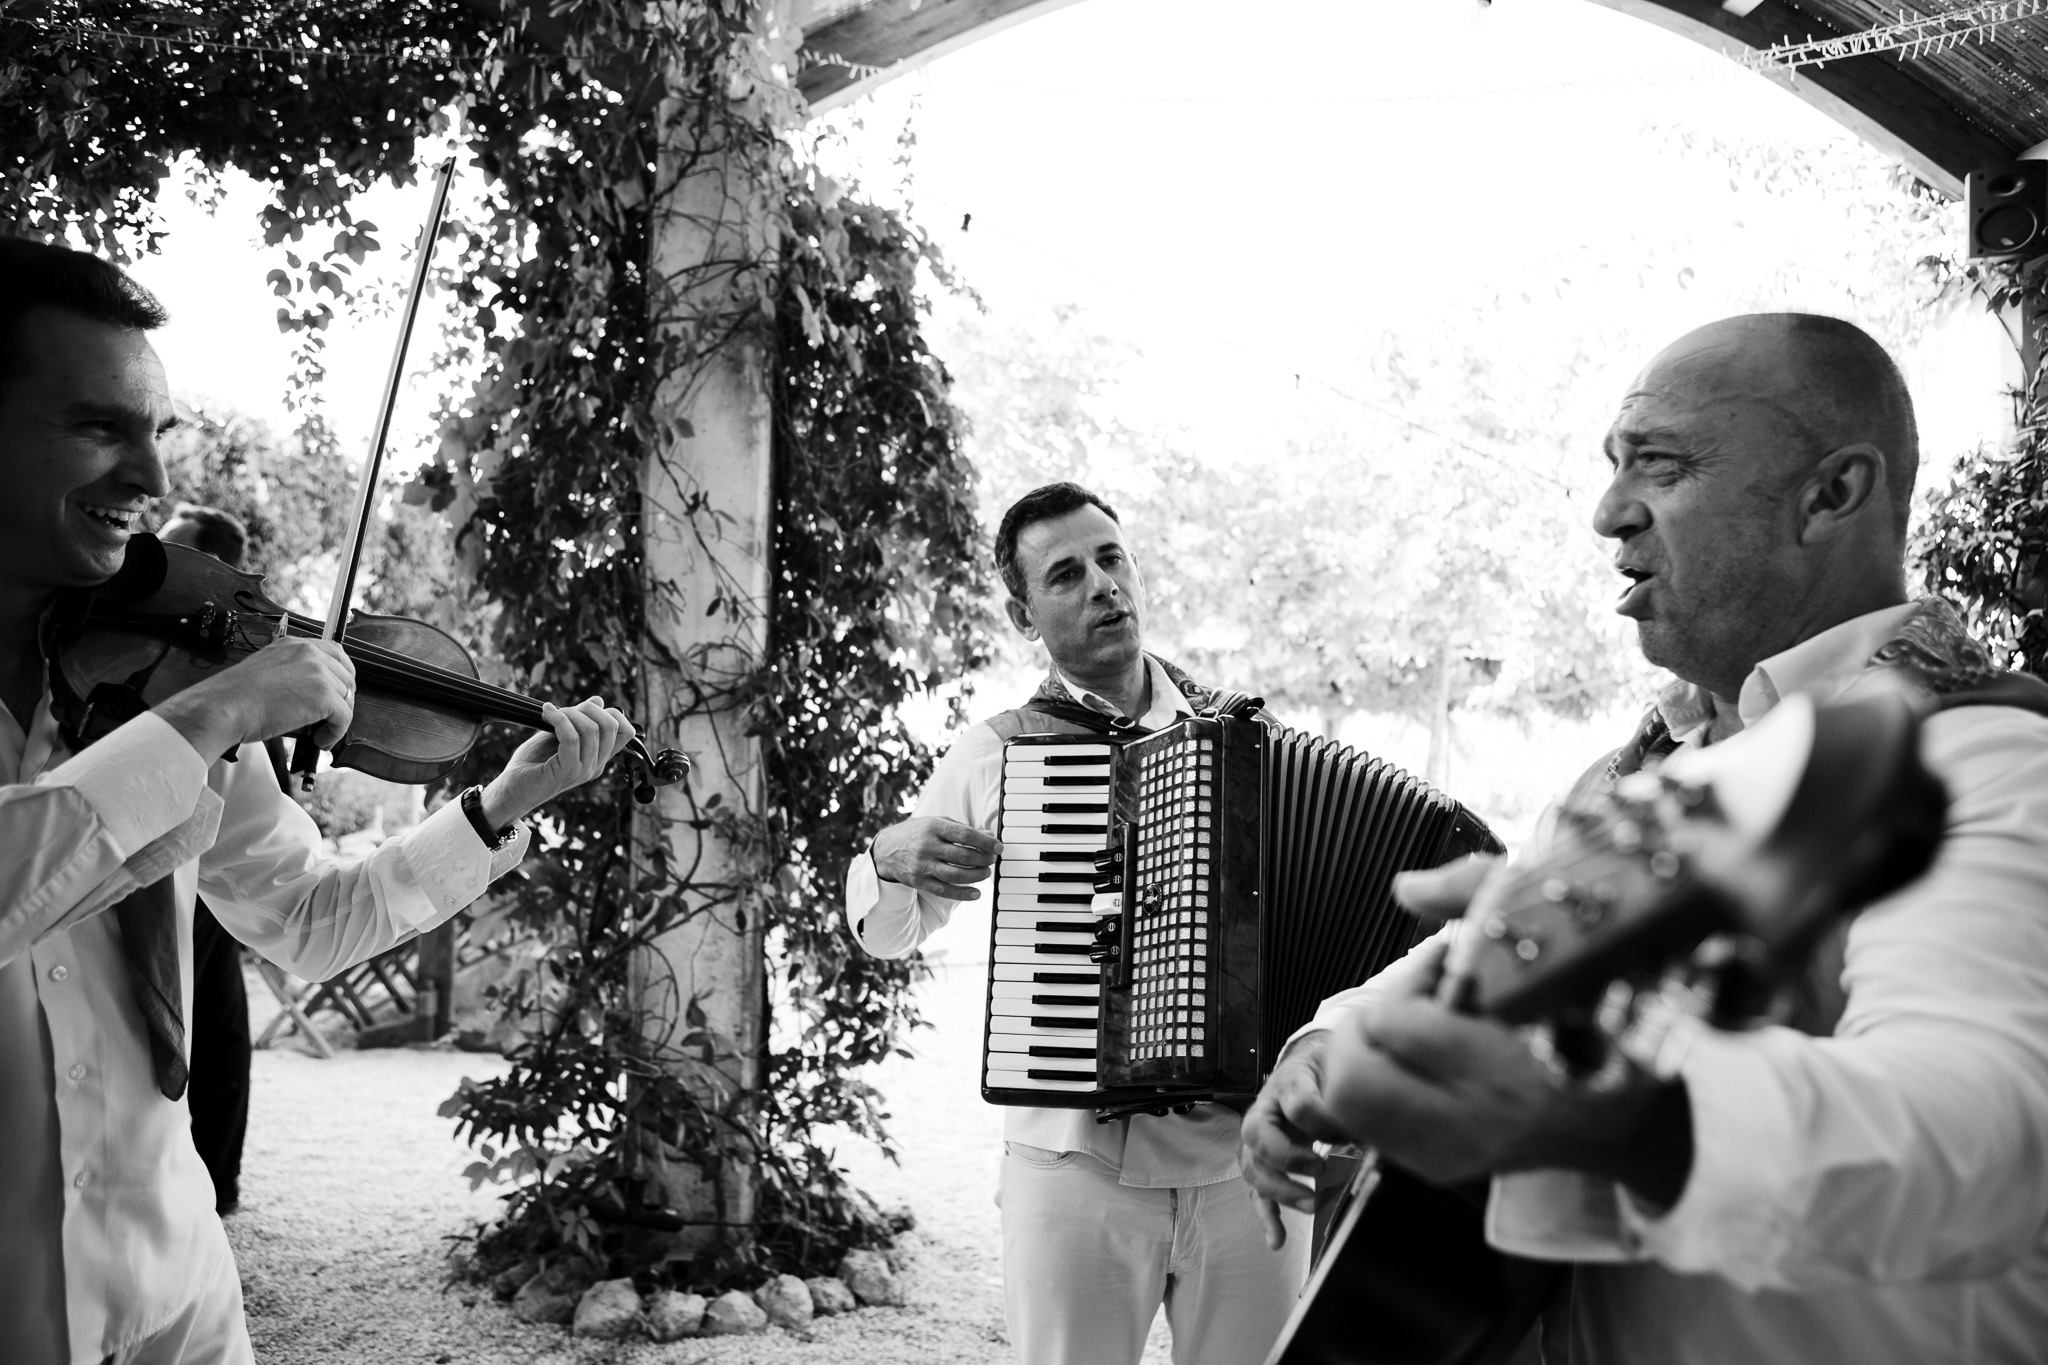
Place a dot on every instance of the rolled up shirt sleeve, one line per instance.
(1909, 1145)
(270, 884)
(889, 919)
(116, 817)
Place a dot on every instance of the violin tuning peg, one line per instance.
(643, 792)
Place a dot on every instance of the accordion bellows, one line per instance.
(1171, 909)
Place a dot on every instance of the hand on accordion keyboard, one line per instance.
(938, 857)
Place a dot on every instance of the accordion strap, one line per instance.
(1087, 718)
(1236, 705)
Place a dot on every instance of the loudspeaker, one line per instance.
(2008, 211)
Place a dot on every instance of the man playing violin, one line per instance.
(112, 1248)
(1864, 1185)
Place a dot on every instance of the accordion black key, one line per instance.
(1169, 910)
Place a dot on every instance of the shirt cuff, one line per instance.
(883, 915)
(451, 864)
(1558, 1216)
(143, 781)
(1731, 1213)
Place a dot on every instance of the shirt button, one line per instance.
(77, 1072)
(59, 972)
(78, 1181)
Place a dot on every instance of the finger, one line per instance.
(621, 734)
(1429, 1041)
(967, 836)
(576, 732)
(951, 891)
(1378, 1101)
(333, 652)
(606, 740)
(1274, 1184)
(341, 712)
(959, 855)
(1273, 1146)
(956, 875)
(1269, 1222)
(1442, 893)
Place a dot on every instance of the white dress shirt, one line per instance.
(106, 1208)
(891, 920)
(1878, 1196)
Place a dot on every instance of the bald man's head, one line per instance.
(1827, 383)
(1763, 474)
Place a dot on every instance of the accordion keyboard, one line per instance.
(1045, 990)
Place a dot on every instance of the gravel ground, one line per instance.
(351, 1185)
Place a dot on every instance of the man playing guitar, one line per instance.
(1865, 1186)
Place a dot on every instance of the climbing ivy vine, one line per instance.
(1984, 542)
(575, 117)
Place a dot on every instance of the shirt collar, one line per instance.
(1821, 664)
(1168, 705)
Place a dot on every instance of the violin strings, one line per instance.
(427, 678)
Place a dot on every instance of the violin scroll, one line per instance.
(664, 768)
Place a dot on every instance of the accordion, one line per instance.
(1169, 910)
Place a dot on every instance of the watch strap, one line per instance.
(473, 807)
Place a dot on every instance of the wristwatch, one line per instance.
(473, 807)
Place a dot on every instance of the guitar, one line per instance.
(1695, 890)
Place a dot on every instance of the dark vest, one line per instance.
(1943, 668)
(1053, 710)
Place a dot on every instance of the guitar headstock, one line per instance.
(1725, 865)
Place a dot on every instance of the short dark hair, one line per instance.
(219, 533)
(1040, 504)
(38, 274)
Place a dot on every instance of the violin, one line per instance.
(174, 616)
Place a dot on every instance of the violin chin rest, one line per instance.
(142, 571)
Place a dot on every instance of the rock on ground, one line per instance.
(787, 1302)
(513, 1278)
(608, 1310)
(829, 1295)
(552, 1295)
(672, 1316)
(733, 1313)
(902, 1251)
(868, 1275)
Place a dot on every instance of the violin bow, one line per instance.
(306, 755)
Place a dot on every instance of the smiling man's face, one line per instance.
(78, 448)
(1084, 596)
(1707, 461)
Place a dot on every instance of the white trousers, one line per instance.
(1087, 1262)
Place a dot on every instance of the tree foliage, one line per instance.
(284, 490)
(583, 130)
(1422, 540)
(1984, 541)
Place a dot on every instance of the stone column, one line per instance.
(708, 530)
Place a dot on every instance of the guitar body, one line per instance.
(1707, 883)
(1406, 1278)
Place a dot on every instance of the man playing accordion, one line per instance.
(1102, 1222)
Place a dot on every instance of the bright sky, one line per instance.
(1245, 203)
